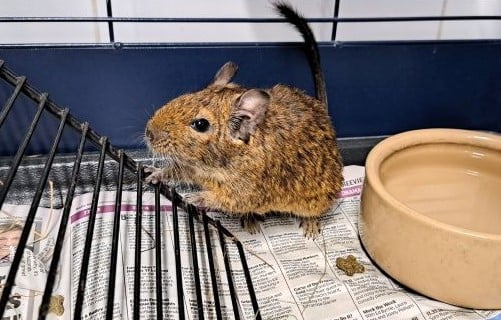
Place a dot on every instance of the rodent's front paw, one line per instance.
(156, 174)
(311, 227)
(197, 199)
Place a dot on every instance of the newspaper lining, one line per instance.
(294, 277)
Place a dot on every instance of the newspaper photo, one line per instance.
(31, 276)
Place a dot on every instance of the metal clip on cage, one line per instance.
(127, 168)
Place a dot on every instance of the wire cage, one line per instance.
(92, 166)
(49, 157)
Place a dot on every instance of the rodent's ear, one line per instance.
(225, 74)
(248, 111)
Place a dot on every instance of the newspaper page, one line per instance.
(293, 277)
(297, 278)
(97, 291)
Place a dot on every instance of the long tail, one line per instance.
(299, 22)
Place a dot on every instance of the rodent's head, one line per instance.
(204, 127)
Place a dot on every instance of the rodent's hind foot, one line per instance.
(250, 223)
(156, 175)
(311, 227)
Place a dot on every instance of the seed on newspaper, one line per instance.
(349, 265)
(56, 305)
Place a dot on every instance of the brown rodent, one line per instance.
(252, 151)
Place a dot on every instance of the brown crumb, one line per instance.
(56, 305)
(349, 265)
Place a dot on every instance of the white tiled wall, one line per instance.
(419, 30)
(243, 32)
(52, 32)
(213, 32)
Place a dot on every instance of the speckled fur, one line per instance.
(290, 164)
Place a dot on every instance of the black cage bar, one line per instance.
(127, 172)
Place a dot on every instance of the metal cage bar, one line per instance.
(22, 149)
(90, 232)
(248, 280)
(109, 12)
(114, 241)
(137, 256)
(86, 134)
(9, 283)
(231, 285)
(248, 20)
(177, 255)
(334, 24)
(213, 279)
(10, 102)
(158, 253)
(194, 256)
(44, 307)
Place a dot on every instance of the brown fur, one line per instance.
(289, 164)
(265, 151)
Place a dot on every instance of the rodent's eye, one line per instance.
(200, 125)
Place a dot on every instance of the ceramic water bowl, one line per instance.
(431, 214)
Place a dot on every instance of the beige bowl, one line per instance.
(431, 214)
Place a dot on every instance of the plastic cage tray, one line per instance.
(93, 165)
